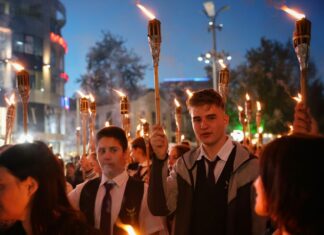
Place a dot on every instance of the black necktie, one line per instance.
(105, 219)
(211, 167)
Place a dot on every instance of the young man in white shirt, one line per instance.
(127, 203)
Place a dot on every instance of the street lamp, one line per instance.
(210, 11)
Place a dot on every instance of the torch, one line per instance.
(154, 38)
(92, 123)
(84, 110)
(24, 89)
(10, 118)
(248, 113)
(124, 111)
(77, 135)
(301, 40)
(146, 132)
(178, 112)
(258, 123)
(242, 120)
(223, 80)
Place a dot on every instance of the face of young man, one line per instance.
(209, 123)
(112, 158)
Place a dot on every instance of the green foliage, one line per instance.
(111, 66)
(271, 76)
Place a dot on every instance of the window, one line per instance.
(27, 44)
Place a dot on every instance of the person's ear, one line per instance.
(32, 185)
(226, 119)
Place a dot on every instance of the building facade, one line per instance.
(30, 34)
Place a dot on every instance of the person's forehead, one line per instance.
(109, 142)
(204, 109)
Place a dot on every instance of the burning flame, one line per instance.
(221, 62)
(146, 12)
(81, 94)
(92, 99)
(143, 120)
(292, 12)
(189, 93)
(240, 108)
(17, 67)
(260, 129)
(78, 128)
(126, 227)
(139, 127)
(258, 106)
(182, 137)
(298, 98)
(121, 94)
(11, 100)
(247, 97)
(107, 124)
(176, 102)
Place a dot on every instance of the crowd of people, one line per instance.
(218, 187)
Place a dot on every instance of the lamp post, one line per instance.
(210, 11)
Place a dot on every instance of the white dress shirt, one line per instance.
(223, 154)
(147, 222)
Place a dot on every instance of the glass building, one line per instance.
(30, 35)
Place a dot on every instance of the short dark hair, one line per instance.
(181, 149)
(114, 132)
(291, 173)
(206, 96)
(139, 142)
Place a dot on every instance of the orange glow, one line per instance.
(189, 93)
(107, 124)
(149, 14)
(121, 94)
(298, 98)
(258, 106)
(143, 120)
(176, 102)
(247, 97)
(240, 108)
(126, 227)
(11, 100)
(292, 12)
(59, 40)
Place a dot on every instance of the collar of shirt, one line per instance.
(223, 153)
(118, 180)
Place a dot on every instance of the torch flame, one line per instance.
(139, 127)
(121, 94)
(240, 108)
(221, 62)
(81, 94)
(18, 67)
(176, 102)
(107, 124)
(292, 12)
(11, 100)
(189, 93)
(126, 227)
(146, 12)
(78, 128)
(143, 120)
(247, 97)
(258, 106)
(92, 99)
(298, 98)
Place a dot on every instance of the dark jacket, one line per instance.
(175, 193)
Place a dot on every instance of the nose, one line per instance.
(203, 124)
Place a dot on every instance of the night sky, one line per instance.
(184, 32)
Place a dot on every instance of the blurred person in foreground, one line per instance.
(32, 193)
(290, 188)
(210, 188)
